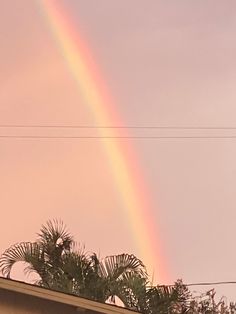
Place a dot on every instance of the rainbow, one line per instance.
(123, 162)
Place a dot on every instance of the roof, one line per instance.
(60, 297)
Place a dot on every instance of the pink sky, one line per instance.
(165, 63)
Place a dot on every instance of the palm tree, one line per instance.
(168, 299)
(44, 256)
(60, 266)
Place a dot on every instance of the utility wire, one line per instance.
(114, 137)
(117, 127)
(43, 126)
(211, 283)
(201, 284)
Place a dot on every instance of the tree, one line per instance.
(207, 304)
(62, 267)
(167, 299)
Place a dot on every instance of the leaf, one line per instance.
(120, 266)
(19, 252)
(54, 234)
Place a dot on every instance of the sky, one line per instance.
(165, 63)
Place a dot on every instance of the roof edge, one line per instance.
(60, 297)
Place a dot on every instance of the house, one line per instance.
(21, 298)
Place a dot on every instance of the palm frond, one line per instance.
(19, 252)
(55, 233)
(167, 299)
(76, 265)
(121, 266)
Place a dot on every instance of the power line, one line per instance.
(211, 283)
(115, 137)
(202, 284)
(118, 127)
